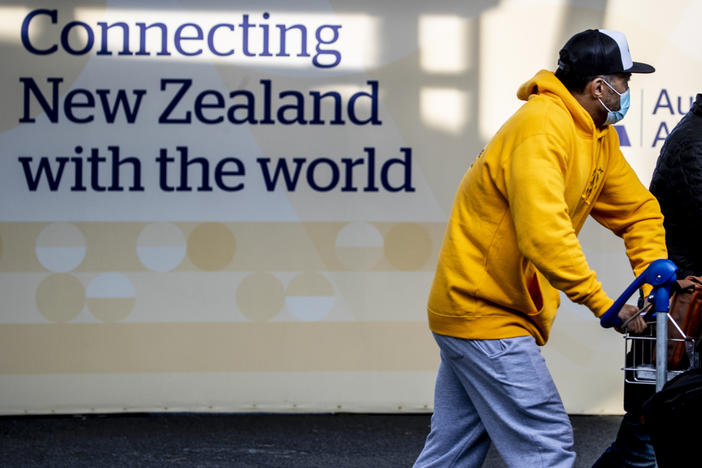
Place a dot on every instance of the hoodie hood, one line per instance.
(545, 83)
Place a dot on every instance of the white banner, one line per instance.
(238, 206)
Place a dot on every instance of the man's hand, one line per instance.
(637, 325)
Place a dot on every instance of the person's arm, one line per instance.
(631, 212)
(535, 187)
(690, 155)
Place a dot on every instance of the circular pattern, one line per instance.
(110, 297)
(260, 297)
(309, 297)
(359, 246)
(407, 246)
(161, 246)
(60, 297)
(60, 247)
(211, 246)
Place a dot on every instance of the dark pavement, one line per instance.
(242, 440)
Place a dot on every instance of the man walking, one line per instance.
(511, 245)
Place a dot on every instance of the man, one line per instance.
(677, 184)
(511, 244)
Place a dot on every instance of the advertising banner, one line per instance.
(238, 205)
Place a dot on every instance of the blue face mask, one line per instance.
(616, 116)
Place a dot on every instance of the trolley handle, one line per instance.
(660, 274)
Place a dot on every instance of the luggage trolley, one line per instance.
(646, 355)
(671, 414)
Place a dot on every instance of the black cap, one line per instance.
(599, 52)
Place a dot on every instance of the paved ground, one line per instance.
(242, 440)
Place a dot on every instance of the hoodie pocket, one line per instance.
(534, 290)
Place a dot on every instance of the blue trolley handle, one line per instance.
(660, 274)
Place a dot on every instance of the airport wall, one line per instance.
(238, 206)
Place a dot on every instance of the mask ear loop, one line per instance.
(612, 88)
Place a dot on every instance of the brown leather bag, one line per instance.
(686, 310)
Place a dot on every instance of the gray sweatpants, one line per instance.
(499, 391)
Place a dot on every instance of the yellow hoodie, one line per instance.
(511, 243)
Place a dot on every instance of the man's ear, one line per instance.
(596, 88)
